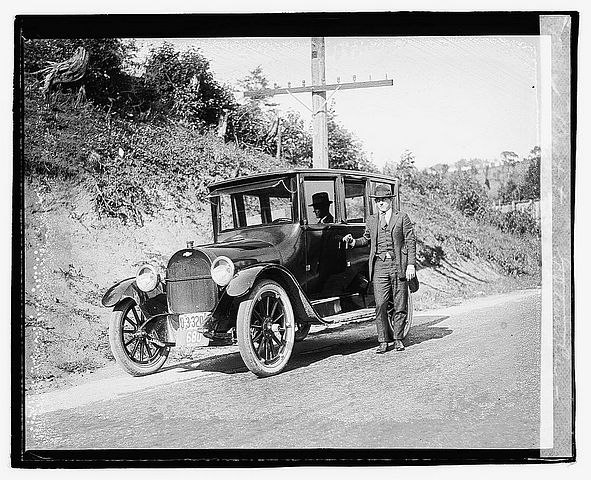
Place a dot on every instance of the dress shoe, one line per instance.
(398, 345)
(383, 348)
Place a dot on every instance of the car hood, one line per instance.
(243, 251)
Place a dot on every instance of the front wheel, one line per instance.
(137, 350)
(265, 329)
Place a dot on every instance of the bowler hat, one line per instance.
(320, 198)
(382, 190)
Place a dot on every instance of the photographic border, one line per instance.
(561, 177)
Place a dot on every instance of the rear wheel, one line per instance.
(137, 350)
(265, 329)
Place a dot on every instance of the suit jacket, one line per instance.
(403, 240)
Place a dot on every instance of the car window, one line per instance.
(257, 204)
(252, 210)
(319, 196)
(354, 201)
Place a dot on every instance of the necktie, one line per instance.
(383, 222)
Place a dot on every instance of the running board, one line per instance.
(357, 315)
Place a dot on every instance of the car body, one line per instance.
(271, 272)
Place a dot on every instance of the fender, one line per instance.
(124, 289)
(151, 303)
(243, 282)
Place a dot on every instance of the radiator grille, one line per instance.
(189, 286)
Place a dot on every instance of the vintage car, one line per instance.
(271, 272)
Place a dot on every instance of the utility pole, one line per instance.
(318, 89)
(278, 154)
(320, 129)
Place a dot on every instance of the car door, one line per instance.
(354, 215)
(324, 252)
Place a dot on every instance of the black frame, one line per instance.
(218, 25)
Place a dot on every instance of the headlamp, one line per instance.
(222, 270)
(147, 278)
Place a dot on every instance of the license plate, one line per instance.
(189, 334)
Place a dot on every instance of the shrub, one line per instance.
(464, 193)
(520, 222)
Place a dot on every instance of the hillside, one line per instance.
(103, 195)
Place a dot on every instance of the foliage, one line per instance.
(344, 149)
(509, 158)
(390, 168)
(406, 169)
(134, 168)
(255, 125)
(255, 80)
(444, 236)
(464, 193)
(182, 87)
(296, 140)
(105, 81)
(531, 186)
(517, 222)
(427, 183)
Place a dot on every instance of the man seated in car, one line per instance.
(321, 204)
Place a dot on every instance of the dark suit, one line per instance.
(389, 274)
(328, 218)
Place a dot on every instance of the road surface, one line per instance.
(469, 378)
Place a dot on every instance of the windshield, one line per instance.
(257, 204)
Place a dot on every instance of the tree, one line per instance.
(531, 187)
(105, 80)
(390, 168)
(441, 168)
(406, 169)
(296, 140)
(509, 158)
(184, 88)
(465, 193)
(344, 149)
(255, 80)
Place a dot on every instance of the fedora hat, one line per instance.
(382, 190)
(320, 198)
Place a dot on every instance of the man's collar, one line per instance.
(388, 213)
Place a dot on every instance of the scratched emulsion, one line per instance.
(559, 27)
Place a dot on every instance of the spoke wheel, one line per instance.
(265, 329)
(134, 349)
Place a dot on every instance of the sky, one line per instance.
(452, 97)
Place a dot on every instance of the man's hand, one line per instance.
(410, 272)
(349, 241)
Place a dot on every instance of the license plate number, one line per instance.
(188, 334)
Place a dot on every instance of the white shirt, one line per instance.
(387, 215)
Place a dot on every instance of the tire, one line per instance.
(134, 349)
(302, 330)
(265, 328)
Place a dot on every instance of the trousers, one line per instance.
(391, 296)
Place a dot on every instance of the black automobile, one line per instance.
(273, 270)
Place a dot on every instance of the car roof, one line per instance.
(308, 171)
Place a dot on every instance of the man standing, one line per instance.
(321, 204)
(391, 263)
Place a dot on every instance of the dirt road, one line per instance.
(469, 378)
